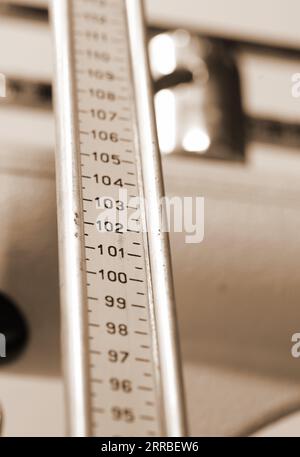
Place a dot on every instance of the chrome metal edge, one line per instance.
(73, 293)
(162, 284)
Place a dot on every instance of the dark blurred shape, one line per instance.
(14, 328)
(271, 131)
(27, 93)
(24, 11)
(205, 99)
(223, 103)
(179, 76)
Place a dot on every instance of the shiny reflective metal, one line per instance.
(199, 88)
(73, 294)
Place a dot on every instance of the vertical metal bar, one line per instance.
(73, 293)
(164, 307)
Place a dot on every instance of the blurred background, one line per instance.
(229, 130)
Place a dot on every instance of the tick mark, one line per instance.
(147, 418)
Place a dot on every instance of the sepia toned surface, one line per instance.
(237, 292)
